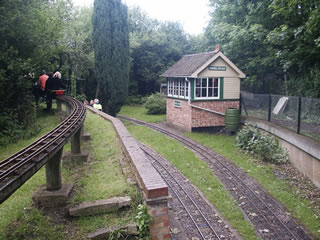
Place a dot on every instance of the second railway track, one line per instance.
(266, 214)
(191, 208)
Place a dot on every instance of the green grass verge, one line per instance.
(100, 178)
(46, 121)
(225, 145)
(15, 211)
(299, 208)
(140, 113)
(199, 174)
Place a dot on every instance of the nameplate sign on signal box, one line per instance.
(217, 68)
(177, 104)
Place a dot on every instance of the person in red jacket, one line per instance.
(42, 83)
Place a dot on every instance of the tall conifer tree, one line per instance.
(111, 47)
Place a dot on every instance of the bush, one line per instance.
(135, 100)
(250, 139)
(81, 97)
(143, 220)
(155, 104)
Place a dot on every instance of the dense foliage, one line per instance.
(111, 48)
(275, 42)
(154, 46)
(250, 139)
(30, 40)
(155, 104)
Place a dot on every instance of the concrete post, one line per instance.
(53, 172)
(75, 142)
(68, 109)
(82, 130)
(59, 108)
(269, 108)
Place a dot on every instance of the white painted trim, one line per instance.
(207, 98)
(227, 60)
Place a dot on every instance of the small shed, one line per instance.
(200, 87)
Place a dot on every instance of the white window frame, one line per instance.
(186, 89)
(207, 88)
(170, 88)
(179, 84)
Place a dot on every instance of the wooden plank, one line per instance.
(281, 105)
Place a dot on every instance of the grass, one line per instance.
(140, 113)
(33, 224)
(45, 120)
(14, 211)
(299, 208)
(100, 178)
(199, 174)
(225, 145)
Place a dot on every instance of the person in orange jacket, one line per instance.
(42, 83)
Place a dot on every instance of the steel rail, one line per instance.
(35, 152)
(37, 142)
(203, 151)
(181, 201)
(19, 167)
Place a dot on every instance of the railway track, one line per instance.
(265, 213)
(18, 168)
(191, 207)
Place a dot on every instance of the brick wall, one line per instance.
(180, 116)
(201, 118)
(160, 226)
(189, 118)
(155, 190)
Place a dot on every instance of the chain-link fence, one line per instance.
(299, 114)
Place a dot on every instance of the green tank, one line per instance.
(232, 119)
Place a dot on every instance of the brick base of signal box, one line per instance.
(183, 115)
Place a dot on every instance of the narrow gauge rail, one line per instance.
(265, 213)
(17, 169)
(201, 215)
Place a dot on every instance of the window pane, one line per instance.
(182, 88)
(197, 92)
(204, 82)
(204, 92)
(215, 92)
(176, 87)
(210, 82)
(210, 92)
(187, 89)
(216, 82)
(198, 82)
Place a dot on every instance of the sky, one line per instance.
(192, 14)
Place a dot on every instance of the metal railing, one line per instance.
(299, 114)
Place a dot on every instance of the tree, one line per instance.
(111, 48)
(30, 40)
(154, 46)
(79, 51)
(297, 39)
(241, 28)
(275, 42)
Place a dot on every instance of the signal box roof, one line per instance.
(193, 64)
